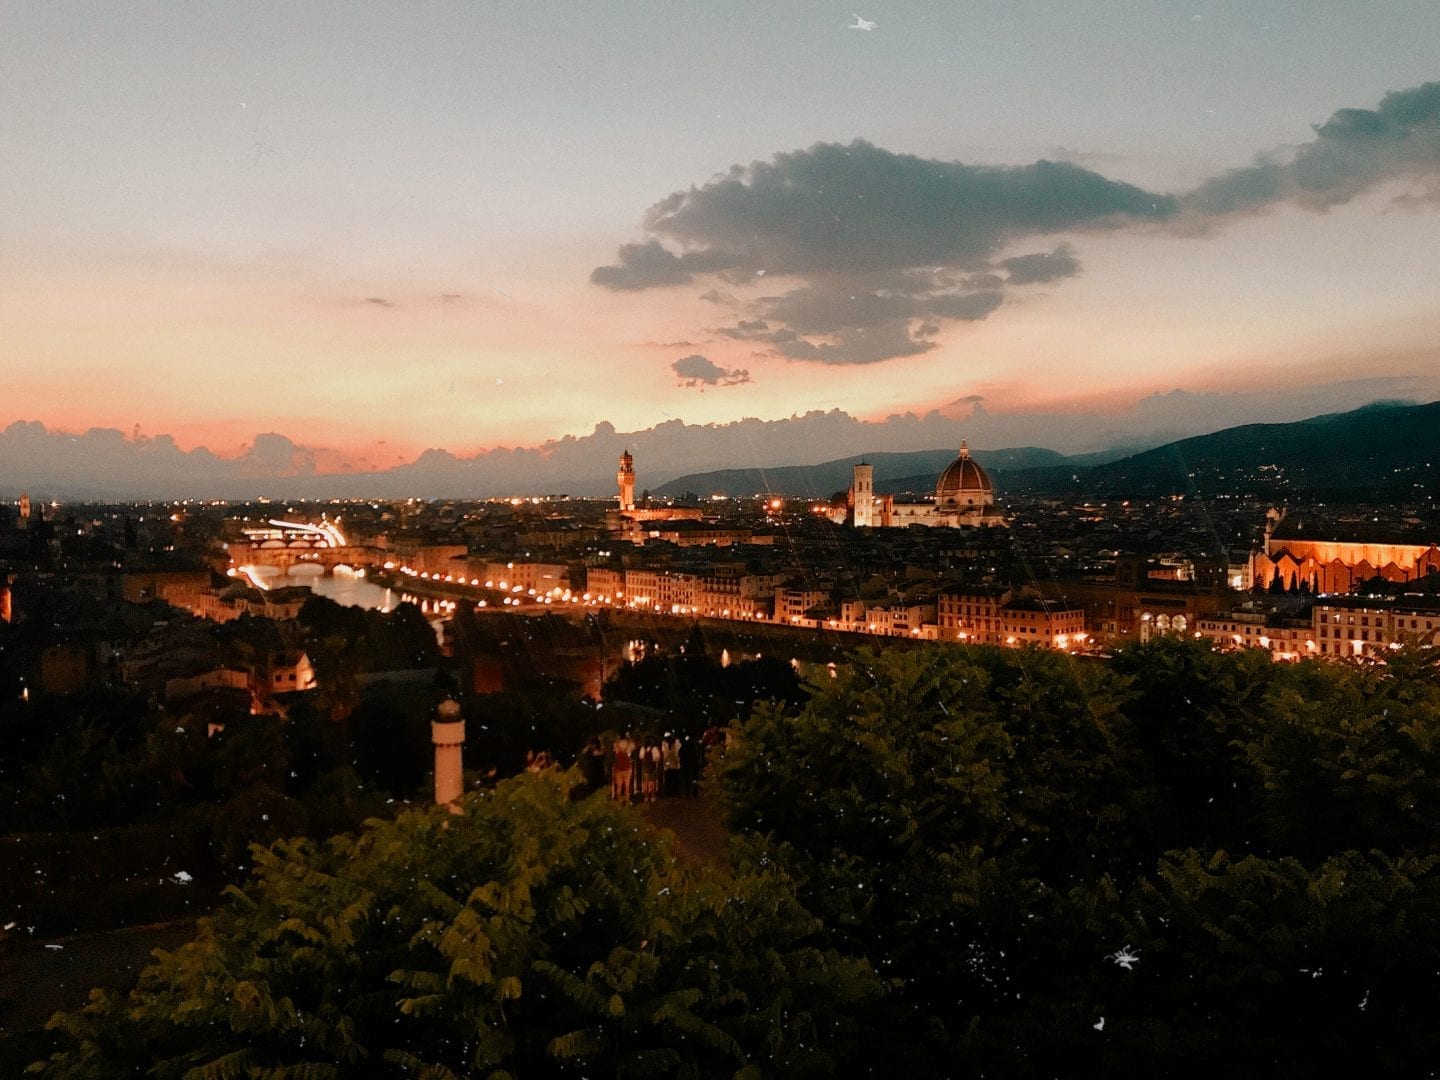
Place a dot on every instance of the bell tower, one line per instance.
(626, 479)
(863, 487)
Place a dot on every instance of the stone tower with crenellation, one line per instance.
(626, 479)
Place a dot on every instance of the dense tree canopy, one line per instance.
(1182, 862)
(530, 935)
(695, 690)
(1178, 862)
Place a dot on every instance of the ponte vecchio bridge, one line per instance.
(284, 544)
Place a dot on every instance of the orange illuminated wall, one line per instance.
(1330, 566)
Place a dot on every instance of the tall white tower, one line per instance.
(626, 479)
(864, 488)
(447, 732)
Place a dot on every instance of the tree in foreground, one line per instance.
(529, 935)
(1183, 863)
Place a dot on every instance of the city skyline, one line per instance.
(371, 235)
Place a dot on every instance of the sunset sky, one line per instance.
(376, 228)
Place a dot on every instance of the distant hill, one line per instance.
(823, 480)
(1006, 475)
(1380, 451)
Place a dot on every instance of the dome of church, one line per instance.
(964, 483)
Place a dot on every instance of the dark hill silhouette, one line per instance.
(1385, 450)
(1379, 451)
(820, 481)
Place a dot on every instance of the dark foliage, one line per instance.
(531, 935)
(694, 690)
(1181, 863)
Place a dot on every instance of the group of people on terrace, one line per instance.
(646, 767)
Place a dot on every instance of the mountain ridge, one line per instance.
(1382, 449)
(821, 480)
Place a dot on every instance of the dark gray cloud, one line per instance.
(855, 344)
(699, 371)
(1042, 266)
(649, 266)
(1353, 151)
(884, 245)
(746, 329)
(380, 301)
(851, 342)
(864, 319)
(842, 209)
(829, 308)
(968, 307)
(879, 250)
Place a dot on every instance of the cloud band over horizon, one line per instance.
(107, 464)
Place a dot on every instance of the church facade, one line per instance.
(964, 498)
(1337, 566)
(1331, 564)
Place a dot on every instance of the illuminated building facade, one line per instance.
(627, 520)
(972, 616)
(1140, 609)
(891, 616)
(625, 478)
(717, 594)
(1050, 624)
(1357, 626)
(1333, 565)
(1284, 639)
(1344, 627)
(964, 498)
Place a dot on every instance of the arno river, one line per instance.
(342, 586)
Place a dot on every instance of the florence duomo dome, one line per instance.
(964, 498)
(963, 484)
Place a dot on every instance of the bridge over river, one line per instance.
(285, 544)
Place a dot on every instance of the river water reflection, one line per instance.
(343, 586)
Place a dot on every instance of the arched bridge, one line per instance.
(284, 544)
(243, 554)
